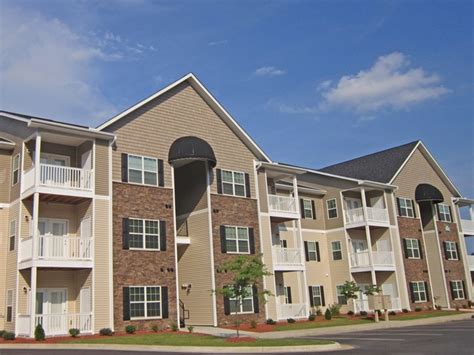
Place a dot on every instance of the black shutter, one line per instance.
(414, 208)
(161, 173)
(163, 235)
(420, 248)
(318, 256)
(126, 303)
(438, 212)
(288, 291)
(255, 299)
(251, 241)
(314, 209)
(427, 292)
(412, 294)
(226, 303)
(164, 302)
(464, 289)
(311, 300)
(398, 207)
(445, 247)
(306, 251)
(247, 184)
(125, 233)
(457, 251)
(124, 167)
(323, 301)
(223, 243)
(452, 289)
(405, 247)
(302, 208)
(219, 181)
(450, 214)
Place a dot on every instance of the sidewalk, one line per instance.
(335, 330)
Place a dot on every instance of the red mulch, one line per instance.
(240, 340)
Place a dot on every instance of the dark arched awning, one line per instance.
(191, 148)
(427, 192)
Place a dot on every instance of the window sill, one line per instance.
(145, 318)
(143, 249)
(236, 253)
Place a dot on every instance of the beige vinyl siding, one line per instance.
(194, 267)
(262, 190)
(102, 272)
(101, 167)
(15, 189)
(379, 234)
(5, 175)
(151, 130)
(436, 269)
(266, 233)
(4, 226)
(319, 222)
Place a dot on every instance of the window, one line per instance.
(16, 169)
(412, 248)
(307, 209)
(12, 235)
(287, 290)
(332, 208)
(237, 240)
(145, 301)
(142, 170)
(9, 316)
(451, 251)
(405, 207)
(419, 291)
(283, 243)
(317, 294)
(457, 289)
(341, 299)
(336, 250)
(444, 213)
(312, 251)
(233, 183)
(247, 303)
(144, 234)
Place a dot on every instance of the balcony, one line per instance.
(467, 226)
(375, 217)
(470, 261)
(382, 260)
(293, 310)
(283, 207)
(56, 251)
(56, 324)
(363, 305)
(61, 180)
(287, 259)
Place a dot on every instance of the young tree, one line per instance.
(246, 271)
(350, 290)
(372, 290)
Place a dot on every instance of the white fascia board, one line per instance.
(65, 128)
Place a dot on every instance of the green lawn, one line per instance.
(191, 340)
(424, 315)
(322, 324)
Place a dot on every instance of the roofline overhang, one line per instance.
(463, 201)
(306, 189)
(7, 145)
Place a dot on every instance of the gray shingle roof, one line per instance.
(380, 166)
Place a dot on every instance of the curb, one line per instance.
(180, 349)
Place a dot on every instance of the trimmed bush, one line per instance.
(174, 327)
(404, 310)
(39, 333)
(130, 329)
(155, 328)
(1, 333)
(290, 320)
(363, 313)
(335, 309)
(328, 314)
(418, 309)
(253, 324)
(350, 313)
(190, 329)
(270, 321)
(106, 332)
(438, 307)
(392, 313)
(319, 312)
(74, 332)
(312, 317)
(8, 335)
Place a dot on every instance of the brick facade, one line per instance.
(142, 268)
(228, 210)
(415, 269)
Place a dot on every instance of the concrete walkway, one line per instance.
(336, 329)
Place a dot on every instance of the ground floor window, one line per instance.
(247, 303)
(317, 296)
(419, 292)
(341, 299)
(9, 315)
(145, 301)
(457, 290)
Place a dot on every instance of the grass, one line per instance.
(413, 316)
(193, 340)
(332, 323)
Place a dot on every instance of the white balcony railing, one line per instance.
(59, 324)
(282, 204)
(374, 215)
(49, 247)
(360, 259)
(287, 256)
(293, 310)
(64, 177)
(354, 215)
(467, 226)
(23, 324)
(379, 258)
(363, 305)
(470, 261)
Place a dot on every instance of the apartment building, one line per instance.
(129, 222)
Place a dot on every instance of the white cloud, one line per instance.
(389, 83)
(218, 43)
(47, 69)
(324, 85)
(269, 71)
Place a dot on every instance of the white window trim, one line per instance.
(17, 156)
(320, 296)
(330, 209)
(145, 302)
(412, 249)
(443, 213)
(285, 292)
(458, 290)
(315, 251)
(451, 252)
(7, 304)
(333, 250)
(233, 183)
(425, 298)
(12, 234)
(340, 295)
(412, 208)
(306, 209)
(144, 234)
(237, 240)
(143, 157)
(232, 299)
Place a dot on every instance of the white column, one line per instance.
(37, 159)
(34, 253)
(369, 239)
(33, 300)
(471, 212)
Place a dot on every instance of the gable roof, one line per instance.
(210, 100)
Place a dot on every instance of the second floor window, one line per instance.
(444, 213)
(144, 234)
(16, 169)
(308, 211)
(336, 250)
(233, 183)
(405, 207)
(12, 235)
(412, 248)
(237, 240)
(142, 170)
(451, 251)
(332, 208)
(312, 251)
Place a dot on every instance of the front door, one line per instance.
(51, 310)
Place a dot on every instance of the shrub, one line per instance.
(155, 327)
(130, 329)
(190, 329)
(312, 317)
(8, 335)
(404, 310)
(363, 313)
(39, 333)
(74, 332)
(270, 321)
(253, 324)
(1, 333)
(456, 308)
(174, 327)
(392, 313)
(290, 320)
(418, 309)
(328, 314)
(350, 313)
(438, 307)
(106, 332)
(470, 304)
(335, 309)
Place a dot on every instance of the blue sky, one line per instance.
(313, 82)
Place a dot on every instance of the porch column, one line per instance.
(33, 301)
(471, 212)
(34, 253)
(37, 158)
(369, 239)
